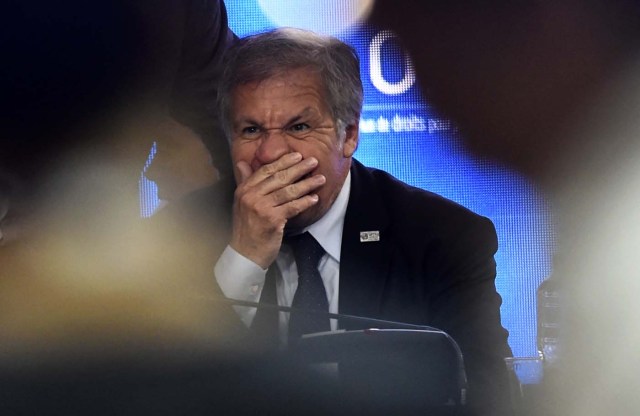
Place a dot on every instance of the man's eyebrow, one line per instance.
(308, 111)
(246, 121)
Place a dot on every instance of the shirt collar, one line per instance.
(328, 230)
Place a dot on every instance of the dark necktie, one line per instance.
(310, 294)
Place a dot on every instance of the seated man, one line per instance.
(290, 103)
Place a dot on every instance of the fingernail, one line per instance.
(312, 161)
(296, 156)
(320, 178)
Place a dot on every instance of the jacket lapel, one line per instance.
(364, 265)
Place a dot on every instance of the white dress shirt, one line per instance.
(241, 278)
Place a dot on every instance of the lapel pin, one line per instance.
(369, 236)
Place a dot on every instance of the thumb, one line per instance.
(243, 171)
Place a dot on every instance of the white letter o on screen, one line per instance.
(375, 68)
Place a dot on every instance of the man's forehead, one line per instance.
(291, 92)
(282, 81)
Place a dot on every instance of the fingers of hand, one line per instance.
(295, 207)
(289, 177)
(283, 203)
(275, 192)
(297, 190)
(268, 171)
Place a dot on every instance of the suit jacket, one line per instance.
(433, 265)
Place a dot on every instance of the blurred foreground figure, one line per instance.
(130, 72)
(553, 89)
(182, 163)
(99, 314)
(88, 87)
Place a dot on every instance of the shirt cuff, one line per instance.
(240, 278)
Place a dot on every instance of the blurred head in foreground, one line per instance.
(80, 275)
(553, 89)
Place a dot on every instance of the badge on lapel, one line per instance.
(369, 236)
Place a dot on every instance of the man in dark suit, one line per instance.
(291, 103)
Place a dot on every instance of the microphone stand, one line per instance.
(338, 316)
(392, 334)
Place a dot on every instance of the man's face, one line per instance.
(288, 113)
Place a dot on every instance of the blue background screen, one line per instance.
(403, 135)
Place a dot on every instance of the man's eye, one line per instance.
(250, 131)
(300, 128)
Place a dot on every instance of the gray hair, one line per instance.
(265, 55)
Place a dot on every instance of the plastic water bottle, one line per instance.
(549, 312)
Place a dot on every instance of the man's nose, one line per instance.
(273, 145)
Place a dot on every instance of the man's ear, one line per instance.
(350, 140)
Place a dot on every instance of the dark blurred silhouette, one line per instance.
(511, 75)
(104, 76)
(100, 312)
(182, 163)
(552, 89)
